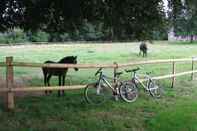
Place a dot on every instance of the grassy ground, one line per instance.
(176, 110)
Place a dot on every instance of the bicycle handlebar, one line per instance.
(98, 71)
(119, 73)
(148, 73)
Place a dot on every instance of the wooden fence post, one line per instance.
(173, 72)
(9, 83)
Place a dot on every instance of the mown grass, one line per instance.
(176, 110)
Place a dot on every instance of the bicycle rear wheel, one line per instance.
(128, 92)
(95, 94)
(154, 89)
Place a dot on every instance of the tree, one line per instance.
(183, 17)
(191, 17)
(11, 12)
(122, 19)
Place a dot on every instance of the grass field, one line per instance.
(175, 111)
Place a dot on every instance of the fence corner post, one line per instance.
(9, 83)
(173, 72)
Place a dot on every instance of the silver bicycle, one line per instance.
(149, 86)
(103, 88)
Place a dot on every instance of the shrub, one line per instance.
(90, 32)
(13, 36)
(65, 37)
(38, 36)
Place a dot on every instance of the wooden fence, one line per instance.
(9, 64)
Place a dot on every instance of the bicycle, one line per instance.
(96, 93)
(149, 86)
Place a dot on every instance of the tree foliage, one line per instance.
(183, 17)
(120, 18)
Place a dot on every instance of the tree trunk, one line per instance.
(112, 33)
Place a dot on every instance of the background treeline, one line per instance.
(95, 20)
(87, 32)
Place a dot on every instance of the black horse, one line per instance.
(60, 72)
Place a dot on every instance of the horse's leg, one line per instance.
(59, 93)
(63, 79)
(48, 81)
(140, 53)
(45, 82)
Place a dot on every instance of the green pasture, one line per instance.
(175, 111)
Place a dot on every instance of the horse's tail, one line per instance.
(44, 69)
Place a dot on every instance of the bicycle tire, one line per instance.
(94, 95)
(154, 89)
(128, 92)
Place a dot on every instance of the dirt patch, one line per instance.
(18, 83)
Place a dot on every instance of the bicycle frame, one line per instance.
(135, 79)
(104, 79)
(96, 93)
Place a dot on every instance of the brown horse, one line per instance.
(143, 49)
(60, 72)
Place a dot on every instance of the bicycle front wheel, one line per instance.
(154, 89)
(128, 92)
(96, 94)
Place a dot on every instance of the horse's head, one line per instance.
(75, 62)
(69, 60)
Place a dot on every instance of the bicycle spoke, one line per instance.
(128, 92)
(96, 95)
(154, 90)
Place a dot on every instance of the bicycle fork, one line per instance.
(98, 87)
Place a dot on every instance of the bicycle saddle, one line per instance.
(118, 73)
(132, 70)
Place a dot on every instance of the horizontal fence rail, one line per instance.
(9, 89)
(21, 64)
(24, 64)
(173, 75)
(156, 62)
(74, 87)
(30, 89)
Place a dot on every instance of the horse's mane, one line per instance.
(67, 59)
